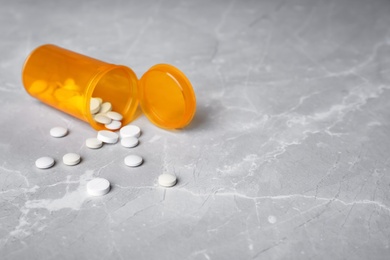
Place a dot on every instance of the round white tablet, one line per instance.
(93, 143)
(99, 100)
(98, 187)
(107, 136)
(102, 119)
(71, 159)
(129, 142)
(94, 105)
(167, 180)
(105, 107)
(44, 162)
(130, 131)
(58, 131)
(114, 115)
(133, 160)
(114, 125)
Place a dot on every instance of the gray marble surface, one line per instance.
(286, 158)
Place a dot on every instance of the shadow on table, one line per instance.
(200, 119)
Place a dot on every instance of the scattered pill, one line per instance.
(114, 115)
(272, 219)
(167, 180)
(93, 143)
(130, 131)
(101, 118)
(107, 136)
(98, 187)
(133, 160)
(105, 107)
(44, 162)
(58, 131)
(129, 142)
(94, 105)
(71, 159)
(114, 125)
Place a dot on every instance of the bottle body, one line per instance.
(67, 81)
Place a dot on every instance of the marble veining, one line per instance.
(286, 158)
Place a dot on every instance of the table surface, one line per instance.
(286, 158)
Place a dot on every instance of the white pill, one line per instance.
(133, 160)
(44, 162)
(105, 107)
(130, 131)
(102, 119)
(129, 142)
(94, 105)
(58, 131)
(107, 136)
(99, 100)
(167, 180)
(71, 159)
(98, 187)
(93, 143)
(114, 125)
(114, 115)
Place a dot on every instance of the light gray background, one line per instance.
(287, 157)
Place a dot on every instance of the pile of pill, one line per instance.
(102, 113)
(66, 95)
(128, 136)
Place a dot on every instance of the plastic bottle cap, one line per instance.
(166, 97)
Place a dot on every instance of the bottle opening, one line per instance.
(117, 87)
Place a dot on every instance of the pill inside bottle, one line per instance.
(69, 81)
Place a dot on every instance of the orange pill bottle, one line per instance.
(67, 81)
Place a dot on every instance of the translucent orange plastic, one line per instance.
(67, 80)
(166, 97)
